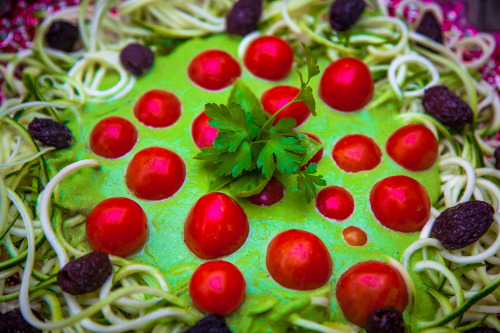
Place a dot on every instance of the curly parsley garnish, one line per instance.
(249, 149)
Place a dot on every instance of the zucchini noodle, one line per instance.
(463, 282)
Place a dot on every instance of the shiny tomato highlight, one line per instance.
(216, 226)
(414, 147)
(369, 285)
(112, 137)
(117, 226)
(356, 153)
(214, 69)
(299, 260)
(269, 58)
(217, 287)
(346, 85)
(400, 203)
(155, 173)
(158, 108)
(274, 99)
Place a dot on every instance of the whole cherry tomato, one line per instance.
(275, 98)
(117, 226)
(216, 226)
(155, 173)
(157, 108)
(335, 202)
(203, 134)
(400, 203)
(112, 137)
(414, 147)
(346, 85)
(356, 153)
(269, 57)
(217, 287)
(369, 285)
(299, 260)
(214, 69)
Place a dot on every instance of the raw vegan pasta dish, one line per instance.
(247, 166)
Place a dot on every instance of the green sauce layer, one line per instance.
(165, 247)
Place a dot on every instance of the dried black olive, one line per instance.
(243, 17)
(463, 224)
(50, 132)
(429, 26)
(344, 13)
(497, 158)
(85, 274)
(13, 322)
(385, 320)
(137, 58)
(447, 107)
(210, 324)
(62, 35)
(482, 329)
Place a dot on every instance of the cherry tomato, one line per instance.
(216, 226)
(269, 57)
(299, 260)
(157, 108)
(354, 236)
(214, 69)
(218, 287)
(112, 137)
(319, 155)
(356, 152)
(335, 202)
(400, 203)
(414, 147)
(117, 226)
(369, 285)
(155, 173)
(275, 98)
(203, 134)
(272, 193)
(346, 85)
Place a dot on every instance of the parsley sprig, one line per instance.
(249, 148)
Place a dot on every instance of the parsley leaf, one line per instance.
(311, 61)
(236, 162)
(307, 181)
(282, 154)
(232, 125)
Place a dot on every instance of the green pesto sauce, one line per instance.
(165, 247)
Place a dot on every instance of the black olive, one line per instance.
(62, 35)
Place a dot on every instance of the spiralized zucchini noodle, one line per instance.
(464, 282)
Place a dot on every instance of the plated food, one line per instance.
(257, 167)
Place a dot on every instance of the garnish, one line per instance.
(249, 149)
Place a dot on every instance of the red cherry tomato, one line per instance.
(216, 226)
(400, 203)
(217, 287)
(335, 202)
(354, 236)
(155, 173)
(275, 98)
(117, 226)
(112, 137)
(269, 57)
(203, 134)
(157, 108)
(356, 152)
(319, 155)
(346, 85)
(298, 260)
(272, 193)
(414, 147)
(214, 69)
(369, 285)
